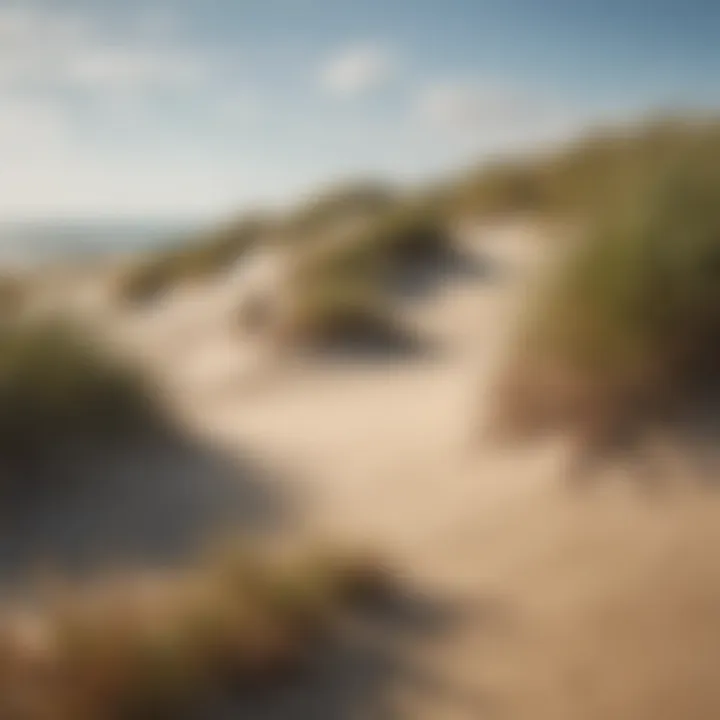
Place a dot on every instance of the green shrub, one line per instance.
(332, 312)
(57, 387)
(389, 242)
(339, 291)
(410, 232)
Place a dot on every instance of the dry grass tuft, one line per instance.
(160, 646)
(628, 330)
(159, 273)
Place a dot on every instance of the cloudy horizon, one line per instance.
(192, 108)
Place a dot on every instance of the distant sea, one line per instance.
(32, 242)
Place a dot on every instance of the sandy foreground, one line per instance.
(528, 598)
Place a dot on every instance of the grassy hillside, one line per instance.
(629, 328)
(157, 274)
(346, 243)
(358, 200)
(573, 179)
(357, 236)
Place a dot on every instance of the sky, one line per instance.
(199, 108)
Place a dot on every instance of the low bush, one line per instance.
(161, 646)
(340, 291)
(59, 388)
(410, 233)
(332, 313)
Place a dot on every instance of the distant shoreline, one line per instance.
(33, 243)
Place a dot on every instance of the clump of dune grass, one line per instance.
(337, 205)
(411, 232)
(196, 259)
(333, 314)
(567, 181)
(628, 329)
(340, 291)
(60, 388)
(160, 646)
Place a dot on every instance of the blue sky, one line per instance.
(201, 107)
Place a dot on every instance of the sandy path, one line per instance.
(379, 436)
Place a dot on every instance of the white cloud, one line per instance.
(42, 49)
(63, 74)
(357, 70)
(469, 106)
(122, 68)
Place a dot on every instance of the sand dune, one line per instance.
(562, 605)
(533, 599)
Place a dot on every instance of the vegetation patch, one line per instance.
(195, 260)
(341, 292)
(333, 314)
(629, 327)
(161, 646)
(354, 201)
(59, 388)
(572, 180)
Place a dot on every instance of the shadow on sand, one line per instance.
(371, 663)
(681, 448)
(422, 277)
(412, 280)
(380, 343)
(149, 503)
